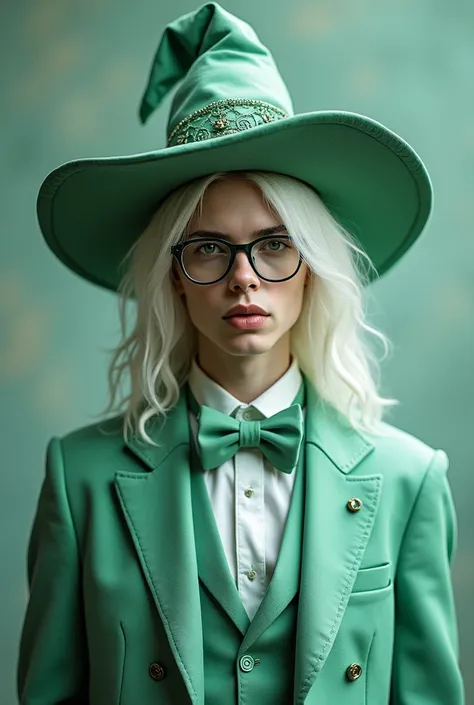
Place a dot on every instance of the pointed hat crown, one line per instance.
(230, 81)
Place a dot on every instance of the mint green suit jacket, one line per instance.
(114, 589)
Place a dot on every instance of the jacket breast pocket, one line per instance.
(373, 583)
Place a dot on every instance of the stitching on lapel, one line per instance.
(357, 456)
(151, 583)
(143, 455)
(378, 482)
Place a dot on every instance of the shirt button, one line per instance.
(246, 663)
(251, 575)
(249, 492)
(247, 415)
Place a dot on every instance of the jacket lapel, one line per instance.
(334, 538)
(157, 508)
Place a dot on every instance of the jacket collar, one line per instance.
(326, 428)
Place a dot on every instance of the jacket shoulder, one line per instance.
(402, 445)
(404, 458)
(95, 451)
(107, 433)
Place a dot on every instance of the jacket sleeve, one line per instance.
(52, 661)
(426, 651)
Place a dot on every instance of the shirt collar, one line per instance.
(276, 398)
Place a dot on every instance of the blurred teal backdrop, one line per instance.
(73, 74)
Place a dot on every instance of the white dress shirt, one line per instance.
(250, 497)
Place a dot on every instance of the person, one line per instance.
(245, 527)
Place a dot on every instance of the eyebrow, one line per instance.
(257, 233)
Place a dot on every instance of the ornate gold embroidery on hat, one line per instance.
(224, 117)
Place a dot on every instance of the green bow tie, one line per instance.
(279, 437)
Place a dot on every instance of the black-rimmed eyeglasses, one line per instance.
(208, 260)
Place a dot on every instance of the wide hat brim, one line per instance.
(91, 211)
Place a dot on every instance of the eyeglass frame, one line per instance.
(177, 252)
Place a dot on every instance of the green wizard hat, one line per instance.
(232, 112)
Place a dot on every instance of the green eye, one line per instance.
(208, 244)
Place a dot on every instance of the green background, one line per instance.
(72, 78)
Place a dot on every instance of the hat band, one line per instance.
(224, 117)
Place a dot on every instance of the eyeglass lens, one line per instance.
(206, 261)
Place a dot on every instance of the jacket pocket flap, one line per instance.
(374, 578)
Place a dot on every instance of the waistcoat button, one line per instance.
(246, 663)
(354, 671)
(156, 671)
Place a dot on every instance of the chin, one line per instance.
(247, 344)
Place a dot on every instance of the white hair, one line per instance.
(327, 340)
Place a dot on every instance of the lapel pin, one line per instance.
(354, 504)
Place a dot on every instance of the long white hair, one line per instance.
(328, 339)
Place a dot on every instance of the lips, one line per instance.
(242, 310)
(248, 322)
(247, 315)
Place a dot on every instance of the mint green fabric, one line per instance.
(279, 437)
(202, 47)
(231, 111)
(270, 637)
(115, 582)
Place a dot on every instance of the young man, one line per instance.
(260, 536)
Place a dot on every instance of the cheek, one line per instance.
(202, 305)
(292, 301)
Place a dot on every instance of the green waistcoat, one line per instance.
(247, 661)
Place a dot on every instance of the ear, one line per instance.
(176, 280)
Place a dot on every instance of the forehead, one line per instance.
(233, 206)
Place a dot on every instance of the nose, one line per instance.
(242, 273)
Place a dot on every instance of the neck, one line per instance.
(245, 377)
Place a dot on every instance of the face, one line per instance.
(235, 207)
